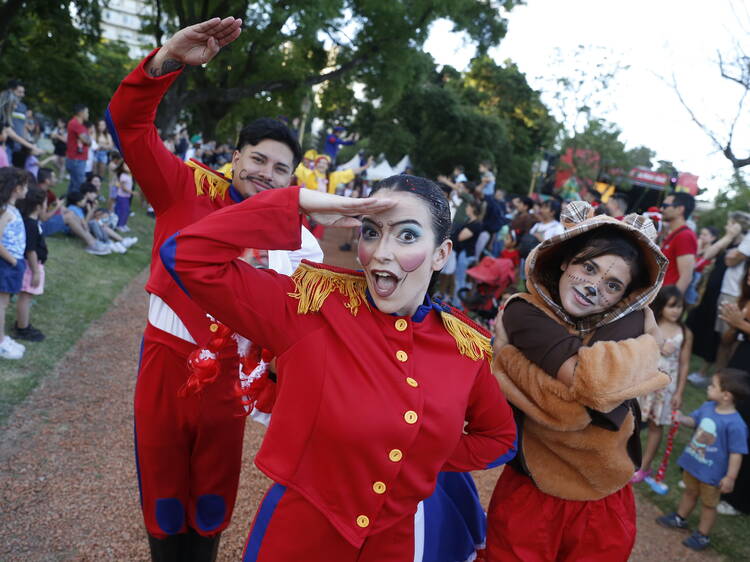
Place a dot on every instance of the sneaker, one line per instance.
(29, 333)
(697, 541)
(672, 521)
(725, 508)
(99, 249)
(15, 344)
(699, 380)
(129, 241)
(117, 247)
(8, 350)
(640, 475)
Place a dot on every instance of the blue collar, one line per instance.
(422, 310)
(235, 195)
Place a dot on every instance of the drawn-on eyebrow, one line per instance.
(407, 221)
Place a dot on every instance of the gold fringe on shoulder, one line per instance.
(314, 285)
(217, 185)
(470, 342)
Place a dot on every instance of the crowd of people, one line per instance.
(379, 392)
(84, 153)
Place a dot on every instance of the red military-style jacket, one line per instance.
(179, 193)
(370, 406)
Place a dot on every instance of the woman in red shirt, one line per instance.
(379, 387)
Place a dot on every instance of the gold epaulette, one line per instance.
(472, 340)
(315, 282)
(207, 179)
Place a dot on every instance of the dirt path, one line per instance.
(68, 486)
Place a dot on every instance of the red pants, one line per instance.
(527, 525)
(288, 528)
(188, 450)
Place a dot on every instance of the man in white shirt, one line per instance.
(549, 224)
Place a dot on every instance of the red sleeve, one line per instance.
(489, 438)
(685, 243)
(253, 302)
(162, 176)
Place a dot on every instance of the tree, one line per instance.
(735, 70)
(614, 159)
(62, 63)
(735, 197)
(288, 47)
(450, 118)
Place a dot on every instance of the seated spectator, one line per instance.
(85, 209)
(55, 218)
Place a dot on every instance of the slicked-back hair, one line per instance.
(271, 129)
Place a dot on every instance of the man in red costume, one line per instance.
(188, 447)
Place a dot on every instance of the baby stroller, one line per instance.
(491, 277)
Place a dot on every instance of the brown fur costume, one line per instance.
(564, 453)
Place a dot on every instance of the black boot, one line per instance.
(171, 549)
(200, 548)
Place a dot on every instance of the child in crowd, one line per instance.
(657, 407)
(115, 161)
(124, 196)
(36, 254)
(572, 354)
(13, 185)
(713, 457)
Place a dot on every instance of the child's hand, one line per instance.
(726, 485)
(676, 402)
(35, 278)
(501, 337)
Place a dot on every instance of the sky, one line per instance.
(657, 40)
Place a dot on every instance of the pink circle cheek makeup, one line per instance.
(410, 261)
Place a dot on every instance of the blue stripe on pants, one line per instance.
(265, 512)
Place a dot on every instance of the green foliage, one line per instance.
(287, 48)
(603, 138)
(490, 113)
(62, 64)
(734, 197)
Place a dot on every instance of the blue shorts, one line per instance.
(55, 224)
(11, 276)
(101, 156)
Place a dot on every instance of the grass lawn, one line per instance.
(79, 288)
(729, 535)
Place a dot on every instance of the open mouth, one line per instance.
(385, 283)
(581, 299)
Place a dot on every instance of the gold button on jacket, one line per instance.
(401, 324)
(363, 521)
(379, 487)
(411, 382)
(411, 417)
(395, 455)
(402, 356)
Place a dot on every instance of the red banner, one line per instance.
(644, 175)
(687, 182)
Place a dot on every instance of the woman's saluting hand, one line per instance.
(335, 210)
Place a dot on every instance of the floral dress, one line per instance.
(657, 406)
